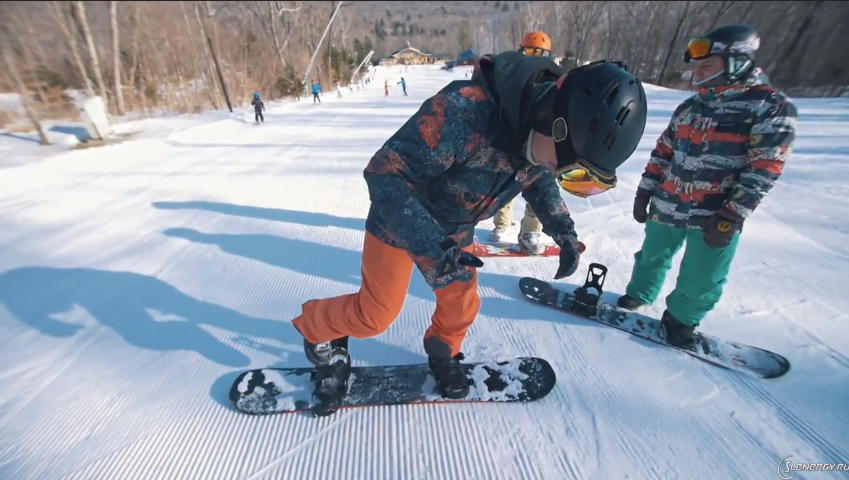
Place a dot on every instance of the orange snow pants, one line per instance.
(386, 273)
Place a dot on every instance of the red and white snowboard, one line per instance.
(507, 249)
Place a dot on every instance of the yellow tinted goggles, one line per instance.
(582, 182)
(535, 51)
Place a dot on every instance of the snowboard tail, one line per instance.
(585, 302)
(268, 391)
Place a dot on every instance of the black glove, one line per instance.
(570, 256)
(721, 228)
(641, 205)
(452, 266)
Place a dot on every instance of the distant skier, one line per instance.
(386, 88)
(316, 89)
(259, 107)
(525, 127)
(722, 152)
(536, 44)
(403, 84)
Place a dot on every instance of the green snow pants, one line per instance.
(701, 277)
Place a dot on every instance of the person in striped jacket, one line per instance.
(723, 151)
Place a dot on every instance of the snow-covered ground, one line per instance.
(137, 280)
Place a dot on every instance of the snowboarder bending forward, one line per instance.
(523, 126)
(723, 150)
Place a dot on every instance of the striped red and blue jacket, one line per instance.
(723, 149)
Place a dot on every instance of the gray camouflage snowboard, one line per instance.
(585, 303)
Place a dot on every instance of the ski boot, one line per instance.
(450, 377)
(678, 335)
(629, 303)
(332, 371)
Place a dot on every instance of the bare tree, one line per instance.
(11, 65)
(60, 14)
(534, 15)
(79, 16)
(116, 58)
(682, 14)
(269, 15)
(586, 15)
(721, 8)
(165, 61)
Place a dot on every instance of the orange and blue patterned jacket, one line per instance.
(459, 160)
(723, 149)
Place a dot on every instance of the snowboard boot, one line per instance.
(678, 334)
(499, 234)
(530, 243)
(629, 303)
(331, 382)
(450, 377)
(320, 353)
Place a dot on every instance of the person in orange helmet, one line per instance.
(534, 44)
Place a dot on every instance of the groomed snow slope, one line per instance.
(136, 281)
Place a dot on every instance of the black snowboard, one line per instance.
(585, 302)
(267, 391)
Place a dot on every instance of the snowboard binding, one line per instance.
(587, 301)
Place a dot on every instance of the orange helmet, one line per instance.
(536, 44)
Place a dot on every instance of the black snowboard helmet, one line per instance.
(596, 114)
(735, 44)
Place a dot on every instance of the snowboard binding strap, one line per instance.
(587, 302)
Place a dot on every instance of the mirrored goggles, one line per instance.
(698, 48)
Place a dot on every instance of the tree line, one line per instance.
(800, 41)
(187, 56)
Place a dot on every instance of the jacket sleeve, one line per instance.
(427, 145)
(543, 196)
(663, 153)
(770, 143)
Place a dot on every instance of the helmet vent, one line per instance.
(622, 115)
(611, 95)
(609, 139)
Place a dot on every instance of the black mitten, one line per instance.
(641, 205)
(570, 256)
(721, 228)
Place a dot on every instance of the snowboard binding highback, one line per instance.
(586, 301)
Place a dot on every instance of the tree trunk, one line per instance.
(746, 12)
(209, 76)
(220, 75)
(196, 70)
(82, 24)
(61, 17)
(330, 49)
(134, 85)
(116, 58)
(789, 53)
(23, 91)
(660, 78)
(215, 60)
